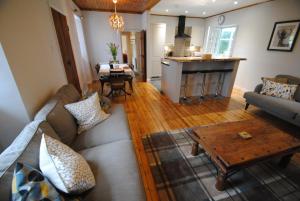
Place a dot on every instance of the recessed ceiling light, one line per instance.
(213, 1)
(186, 11)
(203, 12)
(236, 2)
(167, 10)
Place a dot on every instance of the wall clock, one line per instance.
(221, 19)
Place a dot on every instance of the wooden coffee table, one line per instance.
(231, 153)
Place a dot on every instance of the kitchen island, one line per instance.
(194, 76)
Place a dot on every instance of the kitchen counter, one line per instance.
(194, 76)
(199, 59)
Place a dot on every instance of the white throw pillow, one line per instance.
(286, 91)
(88, 112)
(67, 170)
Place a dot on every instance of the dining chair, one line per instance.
(117, 81)
(103, 79)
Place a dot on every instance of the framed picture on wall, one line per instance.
(284, 36)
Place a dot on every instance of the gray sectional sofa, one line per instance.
(284, 109)
(107, 148)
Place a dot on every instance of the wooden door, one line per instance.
(62, 32)
(143, 56)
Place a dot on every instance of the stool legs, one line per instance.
(220, 84)
(203, 86)
(219, 87)
(185, 86)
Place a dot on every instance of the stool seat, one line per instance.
(187, 72)
(216, 71)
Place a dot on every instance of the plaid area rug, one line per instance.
(182, 177)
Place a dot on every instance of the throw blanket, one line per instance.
(14, 151)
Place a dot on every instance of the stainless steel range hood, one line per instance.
(182, 40)
(181, 28)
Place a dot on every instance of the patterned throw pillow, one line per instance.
(30, 184)
(88, 112)
(67, 170)
(279, 90)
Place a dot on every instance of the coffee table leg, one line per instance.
(285, 160)
(195, 149)
(221, 181)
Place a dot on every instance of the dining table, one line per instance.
(105, 69)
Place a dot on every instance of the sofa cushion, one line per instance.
(297, 94)
(281, 107)
(60, 119)
(116, 171)
(282, 80)
(24, 149)
(68, 94)
(291, 79)
(112, 129)
(297, 119)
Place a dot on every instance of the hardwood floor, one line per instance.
(149, 112)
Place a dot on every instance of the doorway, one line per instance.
(134, 52)
(158, 39)
(63, 36)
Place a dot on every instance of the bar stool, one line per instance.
(220, 83)
(186, 84)
(221, 79)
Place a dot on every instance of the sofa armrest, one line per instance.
(258, 88)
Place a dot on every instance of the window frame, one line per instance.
(217, 43)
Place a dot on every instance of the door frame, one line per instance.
(66, 50)
(143, 44)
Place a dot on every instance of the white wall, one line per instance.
(99, 33)
(29, 40)
(255, 25)
(197, 24)
(13, 114)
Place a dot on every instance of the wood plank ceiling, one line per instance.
(123, 6)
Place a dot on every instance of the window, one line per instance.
(220, 40)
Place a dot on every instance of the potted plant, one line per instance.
(114, 52)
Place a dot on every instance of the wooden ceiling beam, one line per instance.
(123, 6)
(150, 4)
(112, 10)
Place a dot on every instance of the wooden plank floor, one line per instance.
(149, 112)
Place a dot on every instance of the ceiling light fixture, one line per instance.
(203, 12)
(167, 10)
(213, 1)
(186, 11)
(116, 21)
(236, 2)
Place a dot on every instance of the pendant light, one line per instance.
(116, 21)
